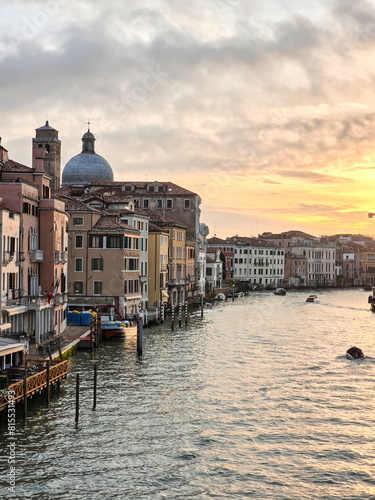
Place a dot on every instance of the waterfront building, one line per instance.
(214, 269)
(257, 261)
(228, 253)
(158, 265)
(103, 259)
(320, 262)
(38, 304)
(319, 253)
(295, 273)
(177, 271)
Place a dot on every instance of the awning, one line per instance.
(10, 348)
(15, 310)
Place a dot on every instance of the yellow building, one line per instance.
(158, 265)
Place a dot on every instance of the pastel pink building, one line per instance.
(38, 305)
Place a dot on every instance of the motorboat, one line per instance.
(280, 291)
(311, 298)
(354, 353)
(371, 300)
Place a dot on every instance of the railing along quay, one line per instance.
(50, 376)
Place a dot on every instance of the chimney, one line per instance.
(38, 154)
(3, 153)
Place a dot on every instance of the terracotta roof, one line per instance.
(288, 234)
(253, 242)
(161, 220)
(13, 166)
(216, 241)
(76, 205)
(112, 222)
(153, 228)
(141, 187)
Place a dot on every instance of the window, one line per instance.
(97, 264)
(159, 203)
(114, 242)
(133, 264)
(78, 265)
(77, 221)
(125, 286)
(97, 287)
(186, 204)
(145, 203)
(136, 203)
(169, 203)
(78, 287)
(95, 241)
(79, 241)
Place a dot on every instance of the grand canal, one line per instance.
(257, 400)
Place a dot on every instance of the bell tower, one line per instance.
(47, 137)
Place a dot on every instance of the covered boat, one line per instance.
(280, 291)
(113, 324)
(354, 353)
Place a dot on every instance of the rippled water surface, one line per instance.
(257, 400)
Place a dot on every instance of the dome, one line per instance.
(87, 166)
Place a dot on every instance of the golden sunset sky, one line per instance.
(263, 108)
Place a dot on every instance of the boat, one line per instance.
(371, 300)
(367, 288)
(280, 291)
(113, 324)
(311, 298)
(354, 353)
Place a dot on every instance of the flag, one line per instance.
(53, 290)
(56, 287)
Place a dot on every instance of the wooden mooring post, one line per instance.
(95, 385)
(172, 317)
(25, 395)
(139, 337)
(77, 398)
(202, 306)
(179, 315)
(48, 391)
(186, 312)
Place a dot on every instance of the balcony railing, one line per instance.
(36, 256)
(8, 257)
(178, 281)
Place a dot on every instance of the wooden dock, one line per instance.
(35, 383)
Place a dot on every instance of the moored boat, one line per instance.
(280, 291)
(113, 324)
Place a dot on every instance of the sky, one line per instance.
(266, 109)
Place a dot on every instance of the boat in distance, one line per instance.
(280, 291)
(311, 298)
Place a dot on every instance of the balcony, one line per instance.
(20, 258)
(8, 257)
(177, 282)
(36, 256)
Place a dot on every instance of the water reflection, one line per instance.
(257, 400)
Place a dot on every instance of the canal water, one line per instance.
(257, 400)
